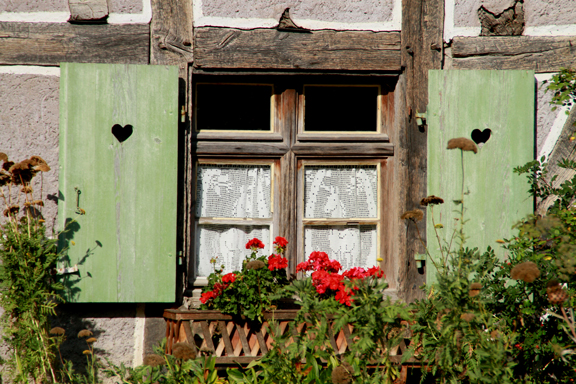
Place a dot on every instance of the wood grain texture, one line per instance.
(124, 253)
(343, 149)
(319, 50)
(88, 10)
(171, 32)
(495, 197)
(537, 53)
(251, 149)
(53, 43)
(422, 49)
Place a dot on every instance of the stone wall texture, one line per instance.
(116, 6)
(537, 12)
(29, 126)
(348, 11)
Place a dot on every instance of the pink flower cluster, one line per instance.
(325, 276)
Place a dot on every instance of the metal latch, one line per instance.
(421, 118)
(420, 259)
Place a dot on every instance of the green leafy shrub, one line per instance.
(29, 291)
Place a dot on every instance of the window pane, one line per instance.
(228, 244)
(233, 190)
(352, 246)
(233, 107)
(340, 191)
(352, 109)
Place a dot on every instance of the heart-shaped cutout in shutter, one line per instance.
(122, 133)
(481, 137)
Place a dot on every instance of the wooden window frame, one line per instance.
(288, 146)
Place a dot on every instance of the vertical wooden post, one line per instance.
(422, 49)
(171, 40)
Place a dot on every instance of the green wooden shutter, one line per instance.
(125, 243)
(496, 198)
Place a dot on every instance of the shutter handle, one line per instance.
(79, 210)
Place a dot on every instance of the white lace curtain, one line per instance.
(233, 190)
(230, 191)
(228, 244)
(342, 191)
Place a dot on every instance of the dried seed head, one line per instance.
(87, 352)
(475, 289)
(255, 264)
(431, 200)
(38, 202)
(495, 334)
(7, 165)
(183, 351)
(463, 144)
(12, 210)
(3, 156)
(37, 160)
(84, 333)
(556, 295)
(154, 360)
(91, 340)
(414, 215)
(4, 179)
(58, 331)
(341, 375)
(527, 272)
(26, 189)
(467, 317)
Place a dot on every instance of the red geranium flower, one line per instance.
(229, 278)
(304, 266)
(207, 296)
(277, 262)
(280, 244)
(254, 244)
(376, 271)
(343, 297)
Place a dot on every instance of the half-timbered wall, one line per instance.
(404, 38)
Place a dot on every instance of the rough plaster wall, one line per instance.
(112, 324)
(116, 6)
(537, 12)
(34, 6)
(544, 115)
(545, 12)
(29, 126)
(350, 11)
(126, 6)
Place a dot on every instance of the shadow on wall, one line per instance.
(111, 324)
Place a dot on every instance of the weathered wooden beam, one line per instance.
(422, 46)
(171, 44)
(87, 11)
(317, 50)
(539, 53)
(171, 32)
(53, 43)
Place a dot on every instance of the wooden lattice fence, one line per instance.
(235, 341)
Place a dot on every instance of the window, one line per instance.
(304, 157)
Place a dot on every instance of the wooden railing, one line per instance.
(235, 341)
